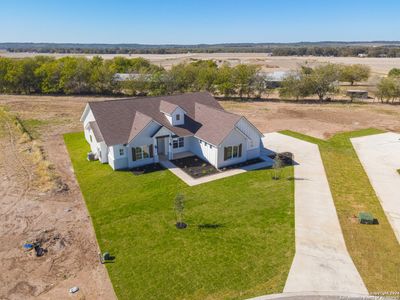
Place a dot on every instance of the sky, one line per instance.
(195, 22)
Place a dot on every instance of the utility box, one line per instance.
(365, 218)
(91, 156)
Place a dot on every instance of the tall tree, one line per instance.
(354, 73)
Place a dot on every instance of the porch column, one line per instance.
(155, 152)
(170, 154)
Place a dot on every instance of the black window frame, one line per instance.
(231, 152)
(178, 143)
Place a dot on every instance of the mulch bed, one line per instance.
(195, 166)
(243, 164)
(147, 169)
(285, 157)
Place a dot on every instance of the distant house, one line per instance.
(134, 132)
(274, 79)
(357, 94)
(130, 76)
(362, 55)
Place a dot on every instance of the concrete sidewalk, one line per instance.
(195, 181)
(321, 262)
(380, 156)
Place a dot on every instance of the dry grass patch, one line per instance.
(44, 176)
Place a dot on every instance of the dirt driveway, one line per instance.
(62, 220)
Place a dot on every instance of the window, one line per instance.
(121, 152)
(178, 117)
(232, 152)
(178, 143)
(142, 152)
(138, 153)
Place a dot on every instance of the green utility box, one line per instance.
(365, 218)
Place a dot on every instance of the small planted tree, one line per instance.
(277, 166)
(179, 208)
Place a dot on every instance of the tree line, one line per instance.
(275, 50)
(321, 80)
(79, 75)
(82, 76)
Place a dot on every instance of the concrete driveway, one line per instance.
(321, 262)
(380, 156)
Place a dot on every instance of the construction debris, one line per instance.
(74, 289)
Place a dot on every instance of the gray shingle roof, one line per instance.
(216, 123)
(121, 120)
(167, 107)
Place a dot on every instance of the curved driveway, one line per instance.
(321, 262)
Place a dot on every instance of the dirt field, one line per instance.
(58, 218)
(379, 66)
(319, 120)
(61, 219)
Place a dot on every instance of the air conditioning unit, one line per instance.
(91, 156)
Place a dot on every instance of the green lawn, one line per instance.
(250, 253)
(373, 248)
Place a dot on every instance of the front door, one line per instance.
(161, 146)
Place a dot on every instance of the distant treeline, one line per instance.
(79, 75)
(373, 49)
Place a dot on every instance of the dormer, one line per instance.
(174, 113)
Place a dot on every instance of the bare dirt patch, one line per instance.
(318, 120)
(57, 218)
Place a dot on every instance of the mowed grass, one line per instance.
(373, 248)
(248, 254)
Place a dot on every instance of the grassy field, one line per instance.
(374, 249)
(248, 253)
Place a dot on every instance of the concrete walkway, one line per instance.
(321, 262)
(195, 181)
(380, 156)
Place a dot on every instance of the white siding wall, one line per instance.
(172, 118)
(88, 118)
(116, 160)
(186, 145)
(249, 130)
(205, 151)
(144, 138)
(93, 144)
(179, 111)
(125, 161)
(102, 152)
(233, 139)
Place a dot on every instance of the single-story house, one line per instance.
(133, 132)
